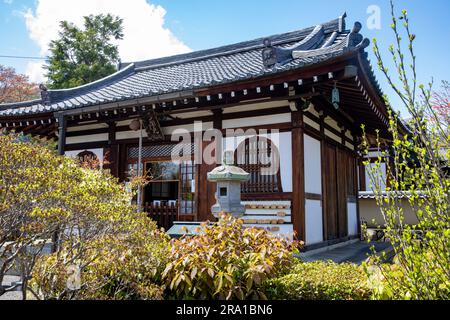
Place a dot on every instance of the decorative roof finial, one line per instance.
(341, 27)
(355, 39)
(45, 96)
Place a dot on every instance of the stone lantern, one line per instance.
(228, 195)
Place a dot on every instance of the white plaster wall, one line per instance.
(313, 221)
(258, 105)
(313, 167)
(87, 127)
(283, 142)
(87, 138)
(383, 176)
(256, 121)
(352, 219)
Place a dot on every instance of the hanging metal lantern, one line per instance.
(335, 99)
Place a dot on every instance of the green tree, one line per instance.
(116, 251)
(82, 56)
(415, 168)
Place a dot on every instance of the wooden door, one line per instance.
(330, 192)
(342, 178)
(335, 191)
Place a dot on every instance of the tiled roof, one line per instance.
(202, 69)
(390, 194)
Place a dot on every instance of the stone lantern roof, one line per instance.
(227, 171)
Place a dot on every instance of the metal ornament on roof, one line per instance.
(335, 99)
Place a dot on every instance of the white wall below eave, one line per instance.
(352, 219)
(256, 121)
(313, 221)
(313, 165)
(88, 138)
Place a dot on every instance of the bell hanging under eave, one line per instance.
(335, 100)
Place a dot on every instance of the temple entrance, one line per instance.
(335, 203)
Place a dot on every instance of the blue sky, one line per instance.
(201, 24)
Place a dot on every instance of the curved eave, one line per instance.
(373, 92)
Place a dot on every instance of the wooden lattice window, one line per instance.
(259, 157)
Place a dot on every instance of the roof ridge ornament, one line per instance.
(341, 27)
(45, 95)
(276, 56)
(355, 39)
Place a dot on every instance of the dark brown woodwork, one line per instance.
(113, 155)
(123, 155)
(321, 137)
(163, 215)
(206, 189)
(152, 126)
(298, 176)
(330, 192)
(62, 125)
(207, 195)
(343, 179)
(313, 196)
(339, 185)
(247, 157)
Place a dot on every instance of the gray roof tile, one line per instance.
(198, 69)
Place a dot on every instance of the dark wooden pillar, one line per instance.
(112, 152)
(207, 190)
(324, 181)
(62, 126)
(298, 175)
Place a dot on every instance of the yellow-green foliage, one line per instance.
(121, 254)
(225, 262)
(321, 281)
(123, 266)
(415, 170)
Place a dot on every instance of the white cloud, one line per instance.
(145, 35)
(35, 72)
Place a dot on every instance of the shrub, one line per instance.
(126, 266)
(320, 281)
(225, 261)
(384, 279)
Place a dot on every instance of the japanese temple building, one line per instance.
(314, 86)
